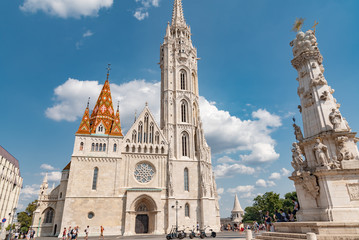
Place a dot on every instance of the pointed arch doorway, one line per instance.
(145, 210)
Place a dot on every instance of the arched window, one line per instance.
(157, 138)
(81, 146)
(127, 148)
(96, 147)
(93, 147)
(49, 215)
(186, 183)
(140, 132)
(100, 128)
(115, 147)
(133, 149)
(100, 149)
(145, 134)
(94, 180)
(186, 210)
(104, 147)
(60, 195)
(151, 133)
(134, 136)
(185, 145)
(183, 80)
(183, 111)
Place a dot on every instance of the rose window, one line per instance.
(144, 172)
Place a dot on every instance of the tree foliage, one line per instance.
(269, 201)
(25, 217)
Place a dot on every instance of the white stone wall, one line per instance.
(10, 186)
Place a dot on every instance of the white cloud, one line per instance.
(54, 176)
(66, 8)
(241, 189)
(29, 192)
(142, 12)
(47, 167)
(225, 159)
(227, 171)
(285, 172)
(240, 135)
(220, 190)
(264, 183)
(275, 176)
(88, 33)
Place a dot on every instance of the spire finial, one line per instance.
(177, 15)
(88, 102)
(135, 115)
(315, 26)
(118, 105)
(298, 24)
(146, 104)
(108, 70)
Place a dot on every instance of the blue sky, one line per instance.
(53, 58)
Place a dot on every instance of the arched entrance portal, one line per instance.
(145, 210)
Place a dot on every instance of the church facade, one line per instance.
(133, 183)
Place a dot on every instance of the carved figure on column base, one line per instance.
(310, 184)
(335, 119)
(297, 163)
(343, 152)
(318, 81)
(298, 133)
(321, 154)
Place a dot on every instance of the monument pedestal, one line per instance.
(323, 230)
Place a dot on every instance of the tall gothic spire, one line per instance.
(237, 207)
(177, 15)
(85, 122)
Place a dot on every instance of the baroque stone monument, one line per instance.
(325, 158)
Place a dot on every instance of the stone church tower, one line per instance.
(136, 182)
(181, 123)
(325, 157)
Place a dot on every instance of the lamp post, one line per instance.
(177, 207)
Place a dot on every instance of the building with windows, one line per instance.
(10, 185)
(130, 184)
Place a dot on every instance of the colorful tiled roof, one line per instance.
(85, 123)
(9, 157)
(116, 126)
(103, 110)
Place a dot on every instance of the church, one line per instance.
(145, 180)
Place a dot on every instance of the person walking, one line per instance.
(87, 230)
(101, 234)
(267, 221)
(69, 233)
(64, 235)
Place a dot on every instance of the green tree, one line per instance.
(25, 217)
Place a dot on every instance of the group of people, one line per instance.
(72, 234)
(280, 216)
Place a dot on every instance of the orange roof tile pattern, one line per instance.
(102, 113)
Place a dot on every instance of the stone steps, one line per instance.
(281, 236)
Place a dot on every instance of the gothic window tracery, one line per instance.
(183, 80)
(49, 215)
(134, 136)
(140, 132)
(142, 208)
(185, 145)
(184, 111)
(145, 135)
(144, 172)
(151, 132)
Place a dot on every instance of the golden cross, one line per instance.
(314, 26)
(298, 24)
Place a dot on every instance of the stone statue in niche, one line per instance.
(309, 183)
(297, 162)
(319, 80)
(344, 153)
(321, 153)
(324, 96)
(298, 133)
(335, 118)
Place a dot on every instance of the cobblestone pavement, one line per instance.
(220, 236)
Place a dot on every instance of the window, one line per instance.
(100, 149)
(93, 147)
(184, 145)
(81, 146)
(60, 195)
(100, 128)
(186, 185)
(49, 215)
(151, 133)
(115, 147)
(90, 215)
(184, 111)
(140, 132)
(183, 79)
(104, 147)
(134, 136)
(186, 210)
(157, 138)
(94, 180)
(96, 147)
(127, 148)
(145, 134)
